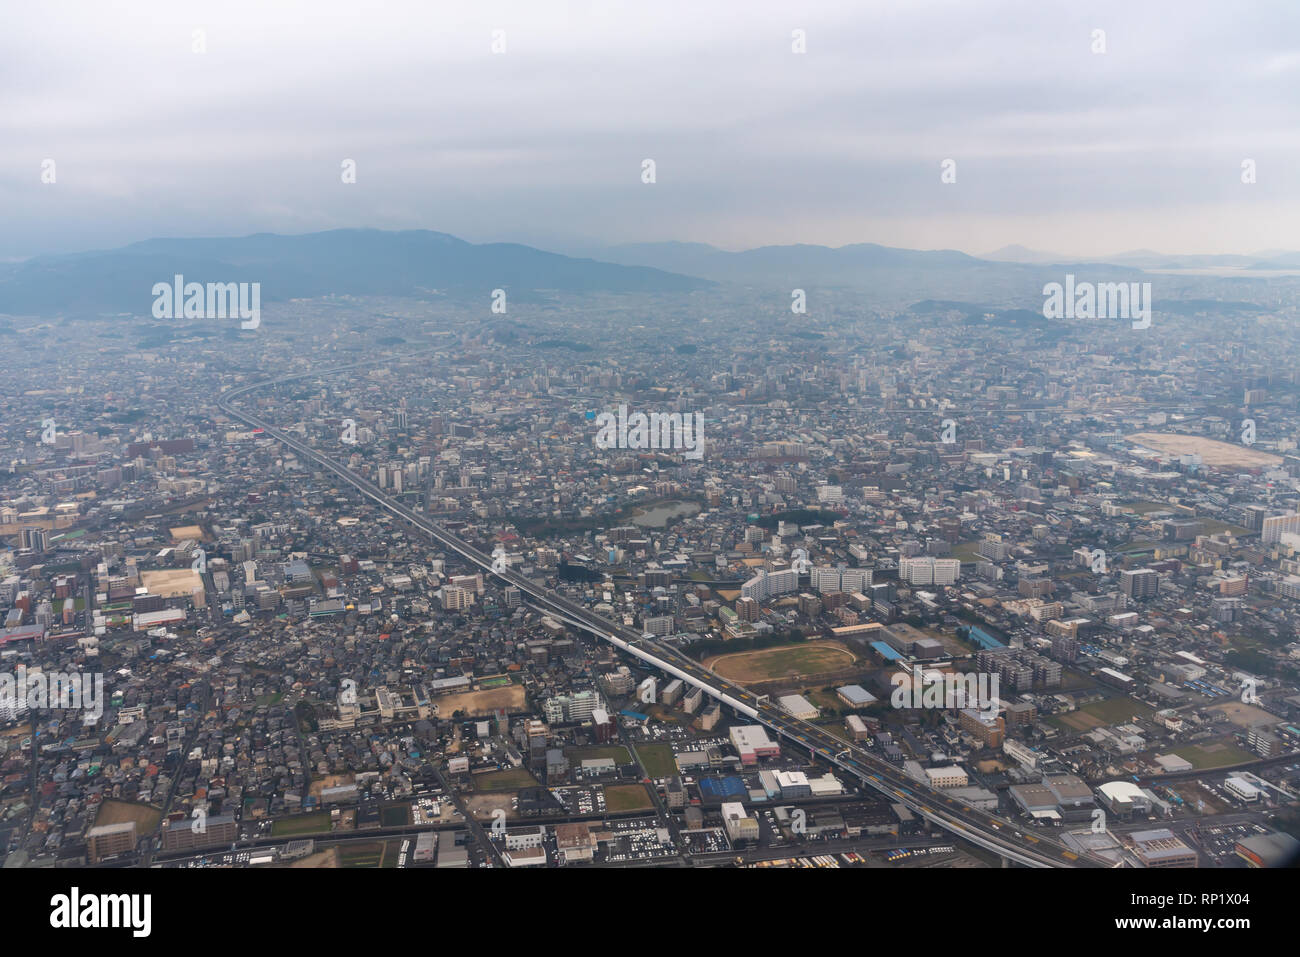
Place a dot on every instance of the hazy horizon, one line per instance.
(567, 246)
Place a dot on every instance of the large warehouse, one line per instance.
(799, 706)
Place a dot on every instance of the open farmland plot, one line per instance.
(511, 780)
(1075, 721)
(617, 752)
(316, 823)
(627, 797)
(365, 855)
(1216, 755)
(1117, 710)
(1101, 714)
(658, 759)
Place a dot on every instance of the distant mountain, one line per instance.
(1276, 259)
(1022, 254)
(420, 263)
(1149, 255)
(844, 265)
(868, 264)
(889, 275)
(358, 262)
(1149, 259)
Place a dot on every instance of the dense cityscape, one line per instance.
(514, 454)
(884, 504)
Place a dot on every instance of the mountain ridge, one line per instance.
(363, 262)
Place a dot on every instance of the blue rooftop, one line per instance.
(730, 786)
(984, 639)
(885, 651)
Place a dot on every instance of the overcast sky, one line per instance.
(1056, 147)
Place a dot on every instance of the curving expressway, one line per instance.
(1002, 837)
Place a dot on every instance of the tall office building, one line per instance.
(34, 538)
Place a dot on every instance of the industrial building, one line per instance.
(799, 706)
(1161, 848)
(753, 744)
(739, 826)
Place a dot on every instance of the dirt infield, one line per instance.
(173, 583)
(481, 703)
(809, 658)
(328, 858)
(330, 781)
(483, 807)
(119, 812)
(1213, 453)
(1243, 715)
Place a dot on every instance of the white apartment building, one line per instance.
(925, 570)
(766, 584)
(1279, 525)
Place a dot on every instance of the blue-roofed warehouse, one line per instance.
(984, 639)
(717, 790)
(885, 651)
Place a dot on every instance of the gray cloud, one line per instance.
(1056, 147)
